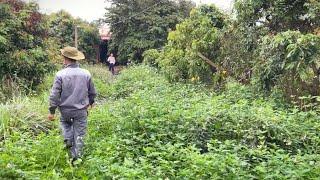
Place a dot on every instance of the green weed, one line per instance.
(151, 129)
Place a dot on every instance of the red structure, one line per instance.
(105, 36)
(105, 33)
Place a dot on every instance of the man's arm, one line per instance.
(55, 95)
(91, 92)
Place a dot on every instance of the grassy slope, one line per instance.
(145, 127)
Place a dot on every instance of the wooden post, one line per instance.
(76, 36)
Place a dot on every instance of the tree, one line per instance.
(193, 48)
(260, 18)
(287, 45)
(23, 59)
(280, 15)
(61, 27)
(139, 25)
(290, 60)
(89, 40)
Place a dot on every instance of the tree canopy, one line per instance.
(30, 43)
(280, 15)
(62, 26)
(140, 25)
(22, 49)
(197, 34)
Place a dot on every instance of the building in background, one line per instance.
(105, 36)
(105, 33)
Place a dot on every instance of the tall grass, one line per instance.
(27, 114)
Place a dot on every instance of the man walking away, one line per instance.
(112, 62)
(72, 92)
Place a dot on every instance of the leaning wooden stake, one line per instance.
(209, 61)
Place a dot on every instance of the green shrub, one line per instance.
(135, 79)
(150, 57)
(290, 62)
(23, 60)
(161, 130)
(152, 129)
(199, 33)
(61, 26)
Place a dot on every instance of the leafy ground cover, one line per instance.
(147, 128)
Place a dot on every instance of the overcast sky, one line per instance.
(94, 9)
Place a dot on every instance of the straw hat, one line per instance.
(72, 53)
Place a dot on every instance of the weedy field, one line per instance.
(144, 127)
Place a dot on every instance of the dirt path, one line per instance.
(117, 69)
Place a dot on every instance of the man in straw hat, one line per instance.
(73, 93)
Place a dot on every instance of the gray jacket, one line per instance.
(72, 91)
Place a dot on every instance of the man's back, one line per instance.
(73, 89)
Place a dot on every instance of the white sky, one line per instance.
(95, 9)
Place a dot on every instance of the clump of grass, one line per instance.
(24, 115)
(102, 79)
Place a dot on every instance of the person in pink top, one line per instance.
(112, 62)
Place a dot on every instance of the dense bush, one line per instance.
(30, 43)
(161, 130)
(290, 61)
(151, 57)
(89, 40)
(274, 43)
(279, 15)
(285, 51)
(150, 128)
(23, 60)
(238, 50)
(180, 59)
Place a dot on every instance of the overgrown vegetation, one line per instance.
(166, 121)
(150, 128)
(30, 43)
(274, 45)
(23, 59)
(291, 61)
(180, 58)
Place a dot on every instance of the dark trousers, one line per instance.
(111, 68)
(74, 131)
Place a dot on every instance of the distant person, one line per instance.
(73, 93)
(129, 62)
(112, 62)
